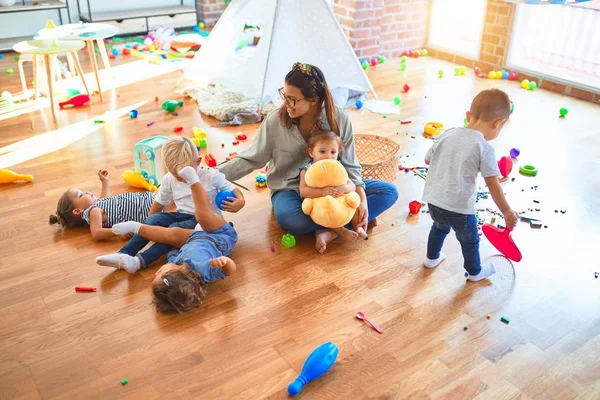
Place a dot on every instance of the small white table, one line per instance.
(90, 32)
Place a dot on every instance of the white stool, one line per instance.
(23, 58)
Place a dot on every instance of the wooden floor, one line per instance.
(250, 338)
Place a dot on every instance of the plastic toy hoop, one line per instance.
(433, 128)
(528, 170)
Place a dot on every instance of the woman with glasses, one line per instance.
(281, 142)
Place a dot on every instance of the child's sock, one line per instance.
(126, 227)
(434, 263)
(189, 174)
(487, 270)
(120, 261)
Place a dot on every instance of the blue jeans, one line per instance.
(287, 206)
(165, 219)
(465, 227)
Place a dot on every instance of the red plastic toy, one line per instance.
(406, 87)
(112, 56)
(502, 240)
(178, 129)
(126, 52)
(75, 101)
(231, 156)
(235, 143)
(373, 62)
(414, 207)
(239, 136)
(505, 165)
(209, 159)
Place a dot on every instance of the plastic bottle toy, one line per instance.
(317, 364)
(171, 105)
(147, 159)
(75, 101)
(8, 176)
(136, 180)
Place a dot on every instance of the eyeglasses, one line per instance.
(285, 98)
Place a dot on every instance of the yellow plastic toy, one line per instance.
(329, 211)
(433, 128)
(8, 176)
(199, 132)
(136, 180)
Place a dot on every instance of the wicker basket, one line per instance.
(378, 156)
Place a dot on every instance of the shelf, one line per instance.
(6, 44)
(44, 5)
(136, 13)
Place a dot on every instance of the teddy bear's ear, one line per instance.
(307, 206)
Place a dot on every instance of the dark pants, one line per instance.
(164, 219)
(465, 227)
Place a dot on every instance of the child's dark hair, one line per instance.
(179, 291)
(311, 82)
(490, 105)
(324, 136)
(64, 213)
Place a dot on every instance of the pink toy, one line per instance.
(477, 71)
(373, 62)
(75, 101)
(505, 165)
(502, 241)
(406, 87)
(512, 76)
(363, 317)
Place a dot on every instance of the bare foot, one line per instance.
(324, 236)
(226, 263)
(346, 234)
(373, 223)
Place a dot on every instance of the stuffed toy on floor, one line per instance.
(329, 211)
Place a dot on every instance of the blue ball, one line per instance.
(505, 75)
(222, 196)
(115, 52)
(359, 104)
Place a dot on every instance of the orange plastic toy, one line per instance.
(8, 176)
(136, 180)
(209, 159)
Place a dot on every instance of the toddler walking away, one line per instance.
(202, 257)
(455, 160)
(177, 153)
(76, 207)
(324, 145)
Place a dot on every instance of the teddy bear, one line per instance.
(328, 211)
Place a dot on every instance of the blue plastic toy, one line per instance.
(223, 196)
(319, 362)
(147, 159)
(359, 104)
(115, 52)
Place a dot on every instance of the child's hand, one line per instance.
(218, 262)
(233, 204)
(341, 190)
(103, 175)
(511, 218)
(330, 191)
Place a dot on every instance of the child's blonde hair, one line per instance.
(179, 153)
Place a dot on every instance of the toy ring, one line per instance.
(433, 128)
(528, 170)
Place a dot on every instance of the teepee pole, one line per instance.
(350, 48)
(262, 90)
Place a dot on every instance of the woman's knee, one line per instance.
(297, 224)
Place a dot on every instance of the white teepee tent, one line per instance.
(291, 30)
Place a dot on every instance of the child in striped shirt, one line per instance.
(76, 207)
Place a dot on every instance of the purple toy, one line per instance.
(319, 362)
(514, 152)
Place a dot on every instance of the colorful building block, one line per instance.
(414, 207)
(260, 180)
(288, 241)
(209, 159)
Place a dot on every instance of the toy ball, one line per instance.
(406, 87)
(373, 62)
(492, 75)
(382, 59)
(403, 59)
(147, 41)
(9, 71)
(532, 85)
(115, 52)
(505, 165)
(222, 196)
(359, 104)
(514, 152)
(441, 73)
(397, 100)
(457, 71)
(365, 65)
(424, 53)
(463, 70)
(402, 67)
(512, 76)
(7, 96)
(505, 75)
(477, 71)
(524, 83)
(415, 53)
(563, 111)
(498, 74)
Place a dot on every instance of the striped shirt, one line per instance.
(123, 207)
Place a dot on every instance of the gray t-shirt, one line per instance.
(456, 159)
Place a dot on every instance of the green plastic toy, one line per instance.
(440, 73)
(288, 241)
(532, 85)
(382, 59)
(403, 59)
(528, 170)
(397, 100)
(10, 71)
(171, 105)
(457, 71)
(563, 112)
(403, 67)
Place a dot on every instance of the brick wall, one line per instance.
(389, 27)
(210, 11)
(495, 42)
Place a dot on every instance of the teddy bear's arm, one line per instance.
(308, 192)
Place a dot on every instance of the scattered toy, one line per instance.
(489, 316)
(171, 105)
(288, 241)
(150, 123)
(8, 176)
(465, 328)
(359, 104)
(414, 207)
(75, 101)
(124, 382)
(505, 320)
(528, 170)
(563, 112)
(319, 362)
(133, 114)
(514, 152)
(363, 317)
(178, 129)
(240, 136)
(260, 180)
(84, 289)
(406, 87)
(222, 196)
(209, 159)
